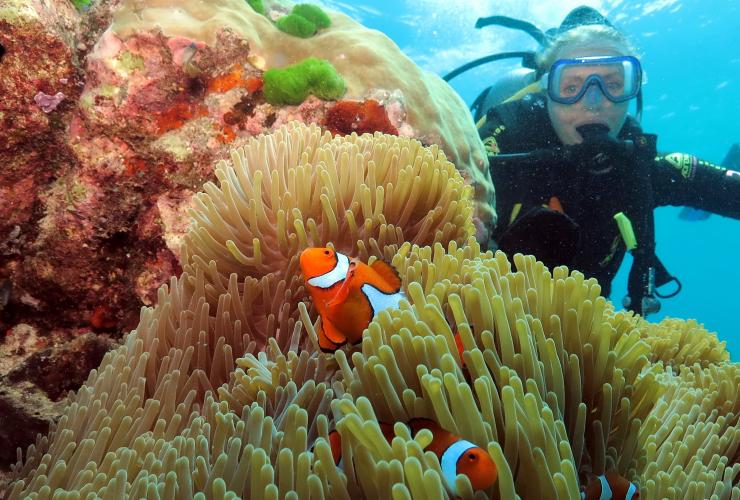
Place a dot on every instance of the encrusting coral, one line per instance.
(217, 393)
(303, 21)
(291, 85)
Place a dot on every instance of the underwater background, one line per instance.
(118, 115)
(690, 54)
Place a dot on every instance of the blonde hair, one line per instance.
(588, 35)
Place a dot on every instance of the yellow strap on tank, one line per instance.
(625, 228)
(529, 89)
(515, 212)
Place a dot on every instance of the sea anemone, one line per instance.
(217, 392)
(301, 187)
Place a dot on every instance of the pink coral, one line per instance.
(183, 49)
(48, 103)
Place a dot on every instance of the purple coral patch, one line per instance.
(48, 103)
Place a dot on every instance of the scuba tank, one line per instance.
(505, 87)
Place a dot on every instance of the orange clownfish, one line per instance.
(456, 455)
(460, 347)
(459, 343)
(347, 294)
(610, 486)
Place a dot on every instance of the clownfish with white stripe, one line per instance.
(456, 455)
(347, 294)
(610, 486)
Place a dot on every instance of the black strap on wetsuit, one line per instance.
(641, 283)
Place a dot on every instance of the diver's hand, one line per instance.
(599, 153)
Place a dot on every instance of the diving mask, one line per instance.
(618, 77)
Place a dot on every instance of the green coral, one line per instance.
(295, 25)
(312, 13)
(257, 5)
(131, 62)
(82, 4)
(303, 21)
(291, 85)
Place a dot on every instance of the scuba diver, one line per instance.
(576, 178)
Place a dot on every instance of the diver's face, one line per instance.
(593, 107)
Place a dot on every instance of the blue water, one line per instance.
(691, 54)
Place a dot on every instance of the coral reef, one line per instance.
(114, 117)
(32, 393)
(220, 391)
(114, 114)
(366, 59)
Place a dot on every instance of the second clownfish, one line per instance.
(347, 294)
(610, 486)
(456, 455)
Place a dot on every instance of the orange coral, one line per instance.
(178, 114)
(253, 84)
(234, 78)
(228, 135)
(134, 166)
(102, 318)
(360, 117)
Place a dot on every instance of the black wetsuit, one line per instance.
(552, 206)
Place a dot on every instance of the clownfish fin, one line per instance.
(331, 333)
(388, 274)
(387, 430)
(343, 291)
(461, 352)
(330, 339)
(335, 445)
(418, 423)
(459, 344)
(335, 442)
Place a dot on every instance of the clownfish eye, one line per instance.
(327, 252)
(471, 456)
